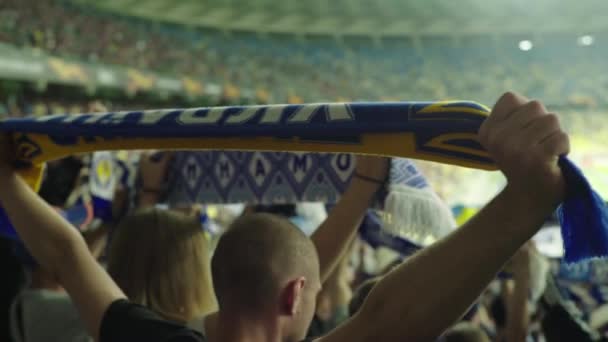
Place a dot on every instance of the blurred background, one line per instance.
(59, 56)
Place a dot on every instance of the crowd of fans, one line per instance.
(162, 259)
(528, 301)
(318, 69)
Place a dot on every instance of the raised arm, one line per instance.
(518, 312)
(57, 246)
(421, 298)
(335, 235)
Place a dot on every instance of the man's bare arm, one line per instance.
(333, 238)
(425, 295)
(518, 313)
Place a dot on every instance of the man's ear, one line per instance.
(291, 296)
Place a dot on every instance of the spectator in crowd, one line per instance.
(561, 321)
(43, 310)
(169, 270)
(14, 280)
(332, 301)
(361, 294)
(511, 308)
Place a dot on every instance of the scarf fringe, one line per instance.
(418, 214)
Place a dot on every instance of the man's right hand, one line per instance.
(526, 141)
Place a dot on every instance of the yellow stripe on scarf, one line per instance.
(393, 145)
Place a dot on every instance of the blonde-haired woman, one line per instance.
(161, 259)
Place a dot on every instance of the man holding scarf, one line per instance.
(416, 301)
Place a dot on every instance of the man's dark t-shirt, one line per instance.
(128, 322)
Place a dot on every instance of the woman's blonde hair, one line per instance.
(161, 259)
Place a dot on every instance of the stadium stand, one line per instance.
(316, 68)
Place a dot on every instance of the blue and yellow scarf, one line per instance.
(444, 132)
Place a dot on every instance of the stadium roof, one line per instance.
(373, 17)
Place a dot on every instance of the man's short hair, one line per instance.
(254, 258)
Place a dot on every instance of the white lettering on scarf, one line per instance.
(243, 115)
(211, 116)
(333, 112)
(193, 116)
